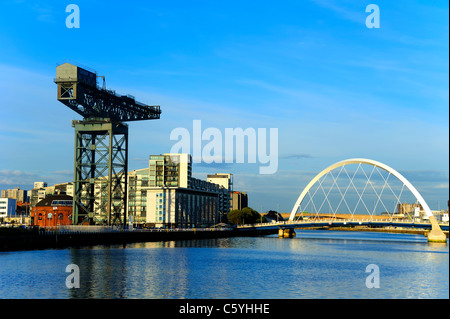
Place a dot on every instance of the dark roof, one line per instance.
(49, 199)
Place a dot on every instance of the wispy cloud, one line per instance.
(426, 176)
(343, 11)
(25, 179)
(307, 97)
(380, 65)
(296, 156)
(214, 166)
(442, 186)
(17, 177)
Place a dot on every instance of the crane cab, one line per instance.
(67, 78)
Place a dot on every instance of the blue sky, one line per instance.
(334, 88)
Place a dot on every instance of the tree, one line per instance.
(235, 217)
(245, 215)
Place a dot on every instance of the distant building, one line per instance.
(408, 209)
(444, 217)
(239, 200)
(54, 210)
(7, 207)
(223, 179)
(42, 190)
(18, 194)
(36, 195)
(40, 184)
(22, 209)
(417, 213)
(63, 188)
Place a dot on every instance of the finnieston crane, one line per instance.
(101, 142)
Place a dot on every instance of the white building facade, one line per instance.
(7, 207)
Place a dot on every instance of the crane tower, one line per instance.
(101, 142)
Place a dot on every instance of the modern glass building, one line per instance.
(166, 195)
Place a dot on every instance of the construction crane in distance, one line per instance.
(101, 143)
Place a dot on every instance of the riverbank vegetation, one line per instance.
(245, 215)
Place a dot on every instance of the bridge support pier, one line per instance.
(286, 233)
(436, 235)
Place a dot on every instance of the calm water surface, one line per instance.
(315, 264)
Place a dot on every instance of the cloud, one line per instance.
(442, 186)
(307, 97)
(353, 15)
(214, 165)
(426, 176)
(25, 179)
(140, 159)
(44, 12)
(296, 156)
(14, 178)
(62, 173)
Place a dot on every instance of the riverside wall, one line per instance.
(28, 239)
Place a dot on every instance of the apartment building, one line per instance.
(166, 195)
(18, 194)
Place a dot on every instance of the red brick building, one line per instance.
(54, 210)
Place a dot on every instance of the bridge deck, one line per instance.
(341, 223)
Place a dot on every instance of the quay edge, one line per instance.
(13, 239)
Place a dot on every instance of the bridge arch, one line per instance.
(369, 162)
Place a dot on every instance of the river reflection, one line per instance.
(311, 265)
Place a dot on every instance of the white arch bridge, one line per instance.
(362, 197)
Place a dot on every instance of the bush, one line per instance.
(246, 215)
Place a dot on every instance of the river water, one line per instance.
(315, 264)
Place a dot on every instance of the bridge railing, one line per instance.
(332, 221)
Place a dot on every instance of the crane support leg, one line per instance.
(100, 172)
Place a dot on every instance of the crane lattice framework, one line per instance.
(101, 142)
